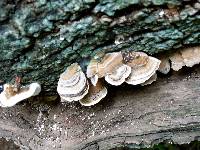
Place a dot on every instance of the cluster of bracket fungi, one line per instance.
(185, 57)
(116, 68)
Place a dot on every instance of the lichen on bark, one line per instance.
(39, 39)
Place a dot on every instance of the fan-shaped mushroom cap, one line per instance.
(177, 61)
(95, 94)
(191, 56)
(137, 59)
(92, 68)
(98, 69)
(75, 97)
(150, 80)
(119, 75)
(72, 84)
(109, 63)
(92, 71)
(164, 65)
(142, 72)
(9, 98)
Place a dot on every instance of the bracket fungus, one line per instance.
(95, 94)
(177, 61)
(92, 71)
(9, 97)
(185, 57)
(111, 67)
(72, 85)
(142, 68)
(116, 68)
(191, 56)
(164, 65)
(118, 76)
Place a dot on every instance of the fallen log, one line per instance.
(39, 39)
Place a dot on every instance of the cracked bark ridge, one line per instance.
(44, 37)
(167, 110)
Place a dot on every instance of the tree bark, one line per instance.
(39, 39)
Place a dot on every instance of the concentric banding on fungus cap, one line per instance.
(95, 94)
(118, 76)
(142, 68)
(72, 84)
(108, 64)
(92, 71)
(9, 97)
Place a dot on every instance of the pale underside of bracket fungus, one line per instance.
(9, 97)
(185, 57)
(150, 80)
(95, 94)
(72, 85)
(143, 67)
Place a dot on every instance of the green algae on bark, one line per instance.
(39, 39)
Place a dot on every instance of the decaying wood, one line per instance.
(130, 116)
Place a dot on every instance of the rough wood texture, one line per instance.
(40, 37)
(128, 116)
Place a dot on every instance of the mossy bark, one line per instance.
(39, 39)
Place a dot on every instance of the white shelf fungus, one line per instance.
(185, 57)
(92, 71)
(142, 68)
(116, 68)
(191, 56)
(118, 76)
(9, 97)
(176, 61)
(95, 95)
(72, 85)
(106, 66)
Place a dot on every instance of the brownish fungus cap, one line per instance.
(136, 59)
(95, 94)
(109, 63)
(72, 85)
(92, 68)
(142, 71)
(92, 71)
(118, 76)
(191, 56)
